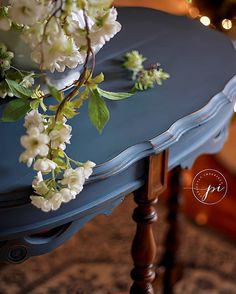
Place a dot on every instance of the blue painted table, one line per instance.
(188, 115)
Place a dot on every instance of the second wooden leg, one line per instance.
(173, 269)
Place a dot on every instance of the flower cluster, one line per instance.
(5, 64)
(56, 31)
(61, 34)
(145, 78)
(44, 143)
(7, 71)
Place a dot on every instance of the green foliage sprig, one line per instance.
(145, 78)
(47, 132)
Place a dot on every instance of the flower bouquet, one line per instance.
(47, 47)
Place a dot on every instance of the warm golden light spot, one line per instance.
(227, 24)
(205, 20)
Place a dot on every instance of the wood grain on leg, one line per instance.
(173, 269)
(144, 245)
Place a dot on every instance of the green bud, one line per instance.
(9, 54)
(3, 48)
(5, 64)
(134, 62)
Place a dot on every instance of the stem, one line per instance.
(83, 79)
(78, 163)
(53, 175)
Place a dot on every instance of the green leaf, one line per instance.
(98, 111)
(113, 95)
(15, 110)
(69, 110)
(18, 90)
(55, 93)
(98, 79)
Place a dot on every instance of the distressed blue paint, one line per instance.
(185, 115)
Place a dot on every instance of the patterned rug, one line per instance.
(97, 260)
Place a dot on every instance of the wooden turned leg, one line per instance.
(173, 270)
(144, 245)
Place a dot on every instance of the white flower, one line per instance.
(33, 35)
(67, 194)
(74, 179)
(27, 158)
(40, 186)
(159, 76)
(75, 27)
(88, 168)
(5, 24)
(38, 179)
(44, 165)
(34, 119)
(41, 203)
(46, 205)
(27, 12)
(56, 50)
(35, 143)
(42, 189)
(110, 27)
(53, 200)
(27, 82)
(56, 201)
(60, 136)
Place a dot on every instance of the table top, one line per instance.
(201, 63)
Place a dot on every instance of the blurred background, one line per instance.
(97, 260)
(219, 14)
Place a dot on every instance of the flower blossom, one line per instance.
(100, 34)
(48, 200)
(60, 136)
(57, 43)
(44, 165)
(67, 195)
(35, 144)
(74, 179)
(57, 53)
(34, 119)
(45, 199)
(41, 203)
(54, 201)
(134, 62)
(27, 12)
(46, 205)
(54, 50)
(88, 168)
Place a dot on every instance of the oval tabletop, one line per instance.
(200, 61)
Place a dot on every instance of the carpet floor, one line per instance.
(97, 260)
